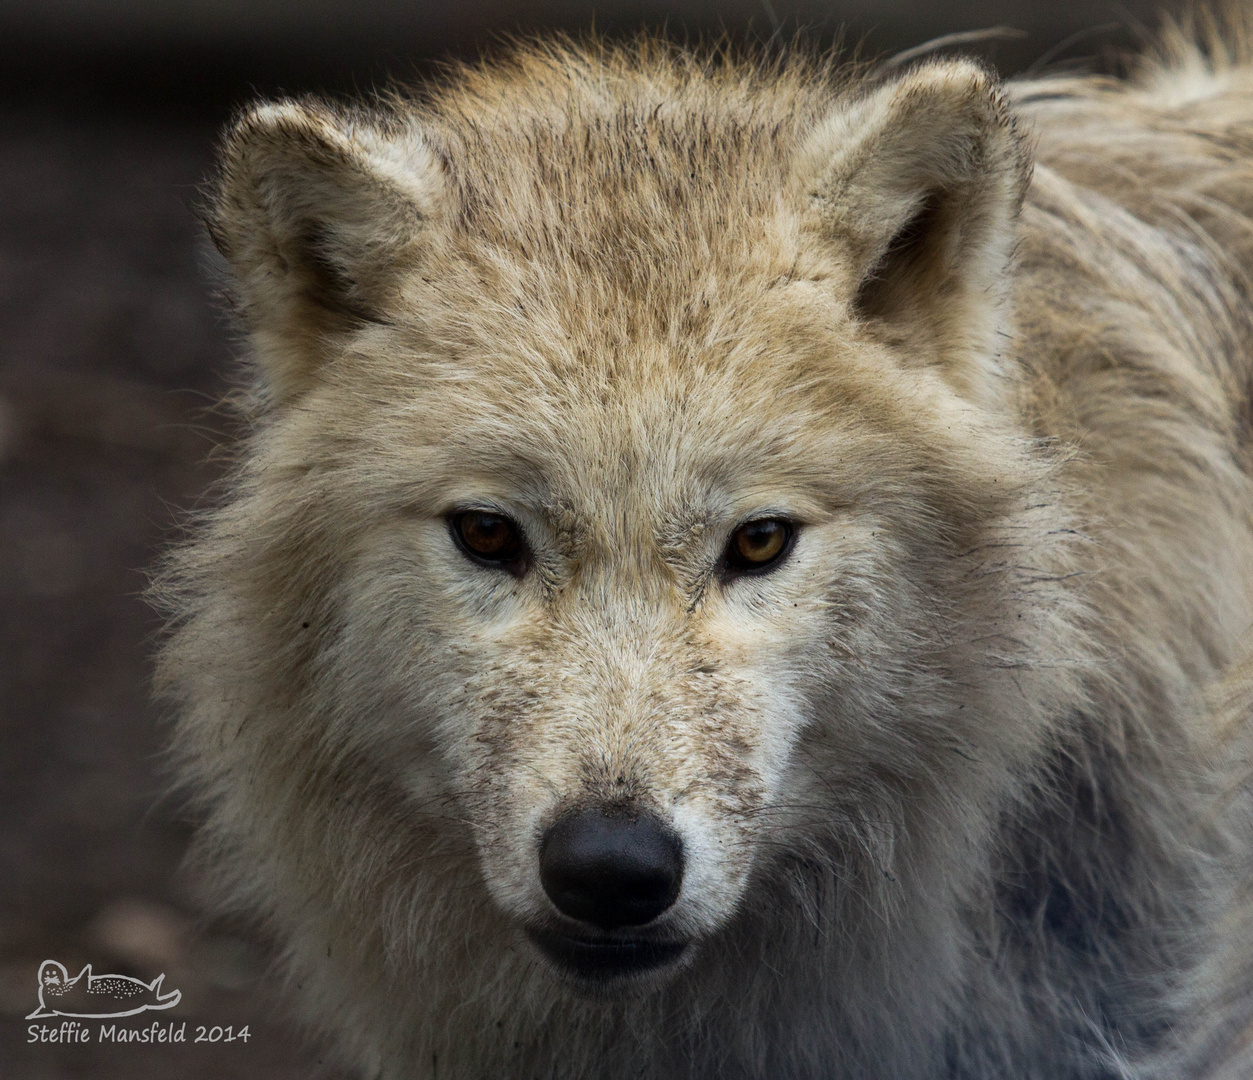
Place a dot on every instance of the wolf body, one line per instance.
(831, 484)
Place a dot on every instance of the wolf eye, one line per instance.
(757, 546)
(489, 538)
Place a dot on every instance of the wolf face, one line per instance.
(634, 510)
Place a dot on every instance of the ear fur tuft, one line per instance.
(317, 211)
(919, 184)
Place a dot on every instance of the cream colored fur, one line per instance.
(951, 797)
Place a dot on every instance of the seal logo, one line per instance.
(91, 995)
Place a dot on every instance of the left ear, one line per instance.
(319, 213)
(919, 183)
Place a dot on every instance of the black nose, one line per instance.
(611, 870)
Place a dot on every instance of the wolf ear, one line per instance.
(919, 184)
(317, 213)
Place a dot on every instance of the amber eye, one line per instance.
(489, 538)
(759, 545)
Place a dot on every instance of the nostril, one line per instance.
(611, 869)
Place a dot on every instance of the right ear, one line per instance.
(916, 187)
(318, 212)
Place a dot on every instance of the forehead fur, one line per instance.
(601, 201)
(573, 145)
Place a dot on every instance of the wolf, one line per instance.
(727, 564)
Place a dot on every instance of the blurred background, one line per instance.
(113, 357)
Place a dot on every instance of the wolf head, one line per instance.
(630, 538)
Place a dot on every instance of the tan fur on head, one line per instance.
(942, 775)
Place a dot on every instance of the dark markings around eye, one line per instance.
(759, 546)
(490, 539)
